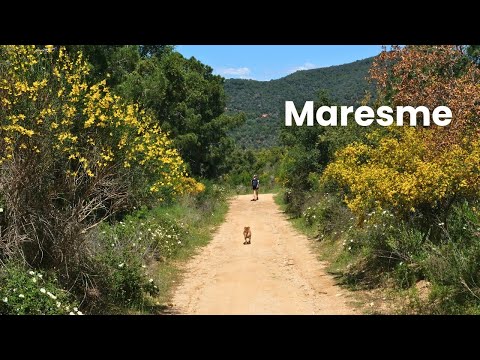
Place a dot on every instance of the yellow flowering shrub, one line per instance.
(397, 172)
(416, 169)
(47, 107)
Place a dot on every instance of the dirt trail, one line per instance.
(277, 274)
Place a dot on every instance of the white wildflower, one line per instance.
(71, 313)
(21, 296)
(43, 291)
(121, 265)
(150, 280)
(349, 248)
(144, 266)
(5, 299)
(1, 210)
(79, 313)
(39, 276)
(134, 244)
(58, 304)
(441, 224)
(75, 309)
(34, 280)
(51, 295)
(31, 272)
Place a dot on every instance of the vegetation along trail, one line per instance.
(276, 274)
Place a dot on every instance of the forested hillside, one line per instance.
(263, 101)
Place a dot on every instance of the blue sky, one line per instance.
(266, 62)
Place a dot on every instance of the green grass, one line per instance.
(329, 249)
(149, 249)
(298, 223)
(170, 272)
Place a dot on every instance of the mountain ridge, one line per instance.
(264, 101)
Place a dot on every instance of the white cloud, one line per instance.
(306, 66)
(241, 72)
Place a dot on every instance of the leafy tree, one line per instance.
(155, 50)
(99, 58)
(189, 102)
(306, 152)
(183, 95)
(431, 76)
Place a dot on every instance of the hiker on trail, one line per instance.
(255, 186)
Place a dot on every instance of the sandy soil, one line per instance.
(277, 274)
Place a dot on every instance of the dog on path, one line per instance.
(247, 234)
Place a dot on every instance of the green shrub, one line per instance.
(325, 214)
(453, 261)
(294, 201)
(126, 249)
(447, 256)
(28, 292)
(122, 279)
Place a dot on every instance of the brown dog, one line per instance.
(247, 234)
